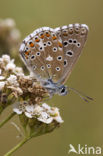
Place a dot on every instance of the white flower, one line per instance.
(37, 110)
(11, 66)
(17, 109)
(45, 106)
(2, 77)
(6, 58)
(56, 114)
(2, 84)
(32, 110)
(43, 113)
(45, 117)
(28, 115)
(58, 119)
(0, 71)
(29, 108)
(1, 60)
(54, 111)
(12, 80)
(18, 71)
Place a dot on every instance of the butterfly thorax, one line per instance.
(54, 88)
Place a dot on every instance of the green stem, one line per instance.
(17, 146)
(7, 119)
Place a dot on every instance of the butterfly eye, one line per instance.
(63, 90)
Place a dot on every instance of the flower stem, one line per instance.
(7, 119)
(17, 146)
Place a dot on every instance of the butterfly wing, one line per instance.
(54, 56)
(32, 55)
(73, 38)
(42, 52)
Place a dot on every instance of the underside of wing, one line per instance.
(73, 38)
(42, 52)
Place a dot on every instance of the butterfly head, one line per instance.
(55, 88)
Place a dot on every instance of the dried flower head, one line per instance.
(16, 85)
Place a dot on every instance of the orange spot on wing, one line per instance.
(60, 44)
(54, 37)
(26, 57)
(37, 40)
(65, 34)
(42, 36)
(48, 35)
(27, 52)
(31, 44)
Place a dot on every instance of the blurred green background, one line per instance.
(83, 122)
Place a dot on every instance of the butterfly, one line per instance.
(50, 54)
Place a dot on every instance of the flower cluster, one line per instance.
(14, 85)
(27, 94)
(8, 74)
(9, 35)
(24, 93)
(37, 119)
(13, 78)
(43, 113)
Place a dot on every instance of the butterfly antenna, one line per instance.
(82, 95)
